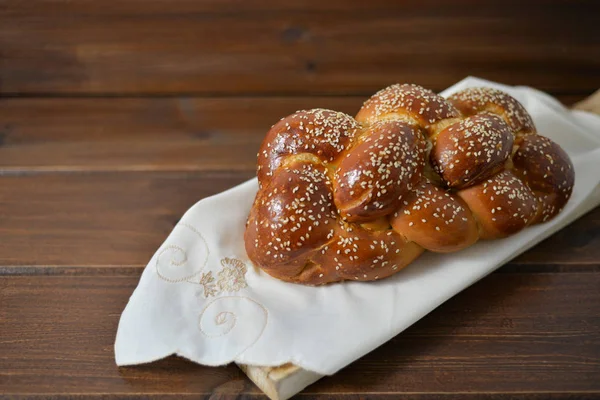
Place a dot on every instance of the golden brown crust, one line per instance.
(362, 255)
(323, 133)
(480, 99)
(502, 205)
(292, 216)
(344, 199)
(435, 219)
(374, 175)
(471, 150)
(548, 171)
(412, 103)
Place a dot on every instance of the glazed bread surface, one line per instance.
(344, 198)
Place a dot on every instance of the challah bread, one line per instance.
(359, 199)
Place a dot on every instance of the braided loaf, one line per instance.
(358, 199)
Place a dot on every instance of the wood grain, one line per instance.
(142, 134)
(119, 219)
(104, 219)
(147, 134)
(116, 116)
(59, 47)
(20, 9)
(57, 336)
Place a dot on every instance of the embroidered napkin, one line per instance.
(201, 298)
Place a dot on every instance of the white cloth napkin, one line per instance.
(201, 298)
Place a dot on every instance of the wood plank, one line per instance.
(17, 8)
(306, 47)
(574, 242)
(105, 219)
(137, 134)
(147, 134)
(119, 219)
(522, 333)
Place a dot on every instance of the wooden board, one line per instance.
(208, 48)
(57, 335)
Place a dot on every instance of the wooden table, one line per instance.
(116, 116)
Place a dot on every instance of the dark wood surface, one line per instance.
(59, 334)
(116, 116)
(148, 134)
(270, 46)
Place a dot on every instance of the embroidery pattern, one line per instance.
(248, 323)
(177, 269)
(208, 284)
(232, 277)
(233, 322)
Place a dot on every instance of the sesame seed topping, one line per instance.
(375, 169)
